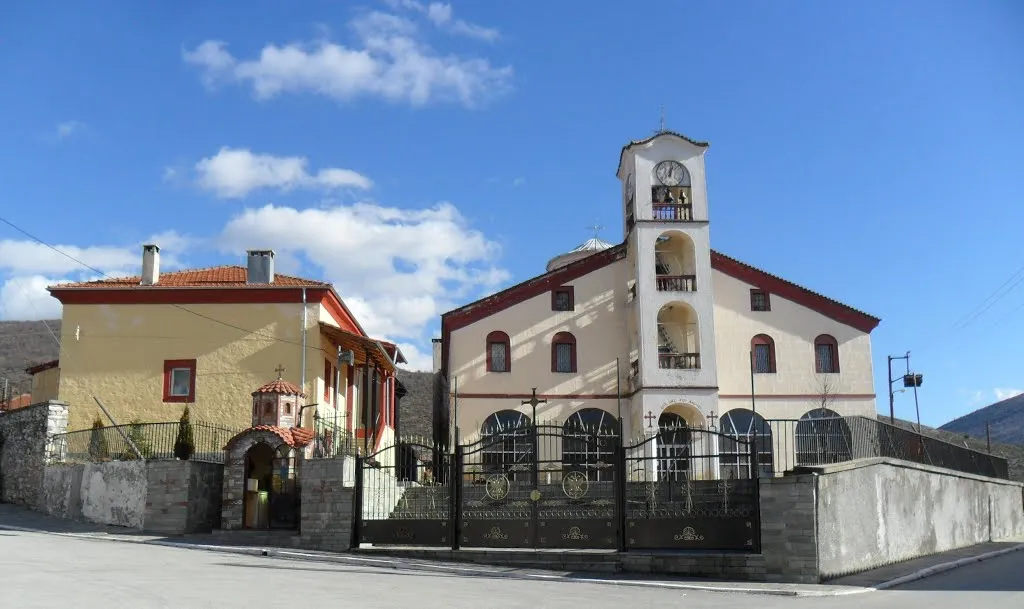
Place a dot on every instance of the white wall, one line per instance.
(795, 387)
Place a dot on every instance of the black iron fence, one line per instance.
(154, 441)
(830, 439)
(331, 439)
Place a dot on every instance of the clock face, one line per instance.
(669, 173)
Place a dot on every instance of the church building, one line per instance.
(660, 330)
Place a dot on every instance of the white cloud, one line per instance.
(33, 258)
(235, 172)
(26, 298)
(388, 60)
(396, 269)
(440, 14)
(417, 359)
(67, 128)
(1005, 394)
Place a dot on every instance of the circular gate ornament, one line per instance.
(497, 486)
(575, 485)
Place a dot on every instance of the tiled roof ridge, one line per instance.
(134, 280)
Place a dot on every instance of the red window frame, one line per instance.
(328, 380)
(833, 344)
(565, 289)
(764, 339)
(767, 300)
(563, 338)
(174, 364)
(498, 337)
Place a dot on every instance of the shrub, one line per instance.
(137, 435)
(98, 441)
(184, 444)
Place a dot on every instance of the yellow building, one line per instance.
(147, 345)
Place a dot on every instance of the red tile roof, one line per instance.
(16, 402)
(230, 276)
(296, 437)
(281, 387)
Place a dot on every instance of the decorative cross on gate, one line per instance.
(533, 402)
(649, 417)
(279, 370)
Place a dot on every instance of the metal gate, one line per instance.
(539, 486)
(549, 486)
(403, 496)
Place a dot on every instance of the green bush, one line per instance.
(98, 450)
(137, 435)
(184, 444)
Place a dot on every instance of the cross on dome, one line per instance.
(279, 370)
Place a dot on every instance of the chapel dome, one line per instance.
(587, 248)
(279, 387)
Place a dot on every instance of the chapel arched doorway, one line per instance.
(271, 490)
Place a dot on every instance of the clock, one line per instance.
(629, 187)
(670, 173)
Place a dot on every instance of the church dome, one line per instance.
(588, 247)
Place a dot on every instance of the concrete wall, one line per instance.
(45, 385)
(875, 512)
(170, 497)
(23, 448)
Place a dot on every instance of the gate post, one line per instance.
(456, 497)
(620, 492)
(756, 482)
(357, 504)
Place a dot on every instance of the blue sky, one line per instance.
(868, 150)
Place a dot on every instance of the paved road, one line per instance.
(40, 570)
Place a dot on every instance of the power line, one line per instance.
(1013, 281)
(177, 306)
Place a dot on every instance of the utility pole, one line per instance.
(909, 380)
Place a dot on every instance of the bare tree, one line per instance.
(825, 395)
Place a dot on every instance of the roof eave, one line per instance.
(629, 147)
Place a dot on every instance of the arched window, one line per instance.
(826, 354)
(563, 352)
(822, 436)
(589, 438)
(742, 424)
(763, 348)
(499, 352)
(673, 447)
(507, 446)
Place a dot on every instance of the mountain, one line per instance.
(24, 344)
(1012, 452)
(1006, 419)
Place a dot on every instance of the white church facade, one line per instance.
(659, 329)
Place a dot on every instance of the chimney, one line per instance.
(261, 266)
(150, 264)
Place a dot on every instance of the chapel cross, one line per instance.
(279, 370)
(711, 420)
(533, 402)
(594, 227)
(661, 128)
(649, 417)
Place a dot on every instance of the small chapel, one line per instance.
(261, 485)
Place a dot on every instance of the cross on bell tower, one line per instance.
(279, 370)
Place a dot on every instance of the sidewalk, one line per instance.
(20, 519)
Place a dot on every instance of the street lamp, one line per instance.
(909, 380)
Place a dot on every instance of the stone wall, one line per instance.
(875, 512)
(789, 529)
(327, 505)
(183, 496)
(23, 449)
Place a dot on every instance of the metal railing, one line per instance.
(828, 440)
(155, 442)
(331, 440)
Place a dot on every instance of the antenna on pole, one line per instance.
(662, 128)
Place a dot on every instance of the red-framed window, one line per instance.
(328, 380)
(826, 354)
(762, 348)
(499, 352)
(759, 300)
(563, 298)
(179, 380)
(563, 352)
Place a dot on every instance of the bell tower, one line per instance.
(670, 304)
